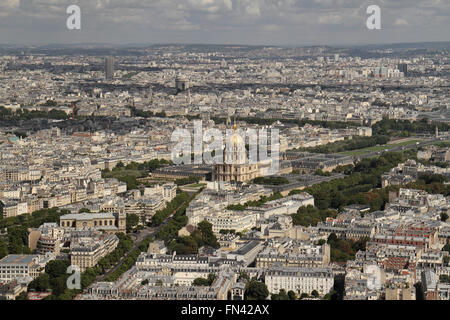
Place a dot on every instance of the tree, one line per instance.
(332, 238)
(211, 278)
(132, 221)
(58, 285)
(205, 282)
(257, 291)
(41, 283)
(280, 296)
(315, 294)
(84, 210)
(292, 295)
(446, 260)
(243, 275)
(444, 278)
(67, 295)
(204, 235)
(3, 249)
(22, 296)
(444, 216)
(56, 268)
(304, 295)
(200, 282)
(120, 164)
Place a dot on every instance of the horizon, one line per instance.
(257, 22)
(285, 46)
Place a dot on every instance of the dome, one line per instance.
(235, 151)
(235, 140)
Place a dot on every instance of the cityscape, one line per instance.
(225, 172)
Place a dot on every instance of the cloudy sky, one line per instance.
(267, 22)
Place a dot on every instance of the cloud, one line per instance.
(326, 21)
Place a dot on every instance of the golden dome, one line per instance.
(236, 137)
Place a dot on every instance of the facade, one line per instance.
(86, 252)
(47, 238)
(400, 293)
(231, 220)
(300, 280)
(235, 167)
(109, 68)
(19, 266)
(10, 290)
(108, 222)
(301, 255)
(181, 84)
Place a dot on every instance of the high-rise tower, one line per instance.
(109, 68)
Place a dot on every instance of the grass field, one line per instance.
(379, 148)
(124, 172)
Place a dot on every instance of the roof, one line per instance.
(87, 216)
(18, 259)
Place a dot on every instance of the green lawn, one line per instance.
(124, 172)
(378, 148)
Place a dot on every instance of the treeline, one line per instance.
(146, 114)
(148, 166)
(186, 181)
(273, 181)
(363, 186)
(310, 216)
(392, 127)
(300, 123)
(179, 220)
(24, 114)
(16, 240)
(151, 114)
(355, 143)
(130, 260)
(198, 282)
(358, 186)
(343, 250)
(256, 203)
(133, 171)
(434, 184)
(55, 277)
(161, 215)
(201, 236)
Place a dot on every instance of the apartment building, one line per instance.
(20, 266)
(86, 252)
(299, 280)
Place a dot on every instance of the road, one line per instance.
(137, 239)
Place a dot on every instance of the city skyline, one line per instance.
(211, 152)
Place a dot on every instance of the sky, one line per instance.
(252, 22)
